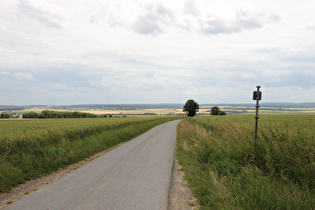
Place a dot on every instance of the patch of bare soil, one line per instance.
(180, 195)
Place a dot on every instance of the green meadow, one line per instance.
(31, 148)
(226, 171)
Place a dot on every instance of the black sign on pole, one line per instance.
(256, 96)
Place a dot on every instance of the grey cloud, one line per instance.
(302, 79)
(274, 18)
(163, 11)
(144, 26)
(311, 27)
(243, 20)
(272, 73)
(71, 74)
(113, 16)
(150, 22)
(93, 19)
(191, 8)
(266, 50)
(286, 78)
(20, 76)
(156, 18)
(40, 10)
(216, 25)
(300, 61)
(5, 76)
(52, 85)
(135, 82)
(16, 86)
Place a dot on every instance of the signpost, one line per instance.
(256, 96)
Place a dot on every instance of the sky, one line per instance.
(66, 52)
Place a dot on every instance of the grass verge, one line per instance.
(225, 170)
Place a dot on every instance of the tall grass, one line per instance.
(32, 148)
(226, 171)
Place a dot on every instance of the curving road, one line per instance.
(136, 175)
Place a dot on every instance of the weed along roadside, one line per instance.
(225, 171)
(33, 148)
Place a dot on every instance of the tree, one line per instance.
(222, 113)
(31, 114)
(191, 107)
(5, 115)
(46, 114)
(216, 111)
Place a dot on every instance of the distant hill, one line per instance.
(151, 106)
(172, 108)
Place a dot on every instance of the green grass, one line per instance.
(226, 171)
(32, 148)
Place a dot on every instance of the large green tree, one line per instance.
(191, 107)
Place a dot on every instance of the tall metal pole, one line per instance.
(257, 96)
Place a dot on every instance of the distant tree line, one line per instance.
(55, 114)
(5, 115)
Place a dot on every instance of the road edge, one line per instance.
(180, 196)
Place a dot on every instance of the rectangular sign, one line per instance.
(257, 95)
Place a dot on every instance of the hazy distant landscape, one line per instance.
(82, 77)
(164, 109)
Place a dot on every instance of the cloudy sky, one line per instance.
(63, 52)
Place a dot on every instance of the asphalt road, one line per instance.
(135, 175)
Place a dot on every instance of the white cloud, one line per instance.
(44, 12)
(191, 8)
(144, 26)
(242, 20)
(153, 19)
(161, 18)
(311, 26)
(273, 18)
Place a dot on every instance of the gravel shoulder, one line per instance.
(180, 195)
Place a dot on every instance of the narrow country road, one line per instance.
(136, 175)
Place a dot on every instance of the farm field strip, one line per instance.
(104, 111)
(176, 110)
(130, 112)
(226, 171)
(12, 129)
(32, 148)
